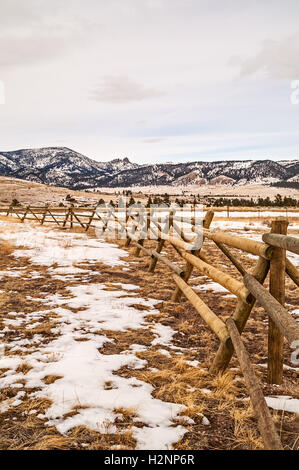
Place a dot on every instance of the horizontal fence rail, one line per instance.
(282, 241)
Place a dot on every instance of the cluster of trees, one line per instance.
(15, 203)
(120, 202)
(279, 201)
(165, 199)
(71, 199)
(286, 184)
(158, 200)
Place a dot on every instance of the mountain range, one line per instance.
(61, 166)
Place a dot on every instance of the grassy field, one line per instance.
(27, 192)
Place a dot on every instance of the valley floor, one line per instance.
(37, 194)
(95, 355)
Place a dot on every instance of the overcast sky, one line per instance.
(152, 80)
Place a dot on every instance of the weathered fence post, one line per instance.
(154, 259)
(90, 219)
(277, 290)
(71, 217)
(66, 217)
(9, 210)
(189, 267)
(128, 216)
(25, 213)
(160, 246)
(144, 232)
(44, 214)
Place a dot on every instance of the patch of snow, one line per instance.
(284, 403)
(193, 363)
(214, 286)
(163, 334)
(205, 421)
(46, 247)
(206, 391)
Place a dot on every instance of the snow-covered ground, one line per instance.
(261, 214)
(83, 315)
(46, 247)
(74, 354)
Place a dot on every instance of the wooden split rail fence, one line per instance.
(271, 253)
(63, 217)
(137, 227)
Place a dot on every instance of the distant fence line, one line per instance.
(68, 217)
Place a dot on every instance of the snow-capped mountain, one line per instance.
(61, 166)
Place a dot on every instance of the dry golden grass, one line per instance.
(6, 248)
(24, 368)
(224, 386)
(40, 405)
(44, 328)
(50, 379)
(127, 414)
(246, 438)
(53, 442)
(241, 415)
(186, 327)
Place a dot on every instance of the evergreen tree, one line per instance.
(149, 202)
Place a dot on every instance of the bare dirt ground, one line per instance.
(178, 372)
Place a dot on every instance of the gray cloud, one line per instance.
(277, 59)
(26, 51)
(122, 89)
(30, 32)
(153, 140)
